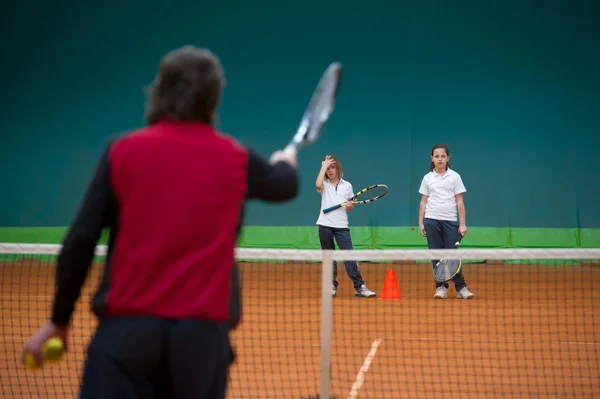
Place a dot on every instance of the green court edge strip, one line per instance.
(363, 237)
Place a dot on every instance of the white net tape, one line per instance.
(358, 255)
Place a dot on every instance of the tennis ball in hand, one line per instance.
(51, 351)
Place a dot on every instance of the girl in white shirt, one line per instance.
(335, 190)
(442, 215)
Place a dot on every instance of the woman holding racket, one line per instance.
(442, 215)
(335, 190)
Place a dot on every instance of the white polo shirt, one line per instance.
(442, 191)
(331, 195)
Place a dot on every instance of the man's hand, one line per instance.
(36, 342)
(281, 156)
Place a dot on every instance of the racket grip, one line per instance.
(290, 151)
(460, 237)
(332, 208)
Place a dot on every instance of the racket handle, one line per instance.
(332, 208)
(460, 237)
(290, 151)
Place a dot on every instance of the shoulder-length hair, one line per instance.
(187, 87)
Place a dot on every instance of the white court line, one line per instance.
(360, 377)
(500, 341)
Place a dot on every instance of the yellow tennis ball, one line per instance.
(30, 362)
(52, 350)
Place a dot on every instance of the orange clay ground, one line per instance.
(529, 332)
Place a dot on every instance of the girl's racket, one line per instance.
(446, 269)
(376, 191)
(318, 111)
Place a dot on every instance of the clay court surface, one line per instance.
(531, 331)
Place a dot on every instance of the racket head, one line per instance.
(446, 269)
(377, 191)
(319, 108)
(374, 192)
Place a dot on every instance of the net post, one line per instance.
(326, 305)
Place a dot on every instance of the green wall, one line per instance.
(510, 86)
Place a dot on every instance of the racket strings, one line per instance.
(318, 110)
(323, 104)
(371, 194)
(446, 269)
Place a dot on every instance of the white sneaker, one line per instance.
(333, 290)
(464, 294)
(441, 293)
(364, 292)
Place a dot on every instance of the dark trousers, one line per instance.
(443, 234)
(344, 241)
(143, 357)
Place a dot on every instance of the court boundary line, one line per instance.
(360, 377)
(505, 341)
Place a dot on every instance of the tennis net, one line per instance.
(532, 328)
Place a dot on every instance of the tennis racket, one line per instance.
(377, 191)
(318, 111)
(446, 269)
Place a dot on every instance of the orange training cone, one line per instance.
(390, 286)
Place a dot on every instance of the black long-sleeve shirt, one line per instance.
(172, 195)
